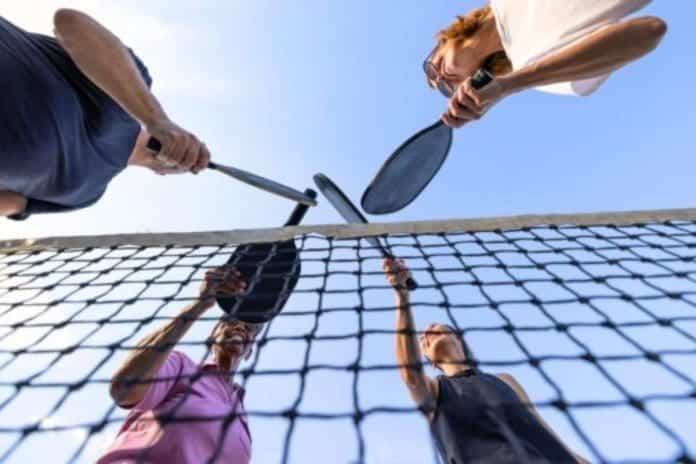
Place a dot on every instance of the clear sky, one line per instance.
(287, 89)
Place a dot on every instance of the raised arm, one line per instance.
(597, 54)
(131, 381)
(522, 395)
(102, 57)
(422, 388)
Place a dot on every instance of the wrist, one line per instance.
(513, 82)
(155, 117)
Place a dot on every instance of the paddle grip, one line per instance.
(300, 210)
(481, 78)
(411, 283)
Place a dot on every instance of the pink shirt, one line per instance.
(142, 439)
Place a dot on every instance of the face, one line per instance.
(438, 343)
(233, 341)
(452, 64)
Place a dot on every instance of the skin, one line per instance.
(602, 52)
(101, 56)
(231, 341)
(440, 346)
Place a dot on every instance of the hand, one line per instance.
(220, 281)
(469, 104)
(396, 272)
(181, 150)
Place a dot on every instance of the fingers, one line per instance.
(203, 159)
(225, 281)
(180, 148)
(463, 107)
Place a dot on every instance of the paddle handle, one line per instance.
(300, 210)
(480, 79)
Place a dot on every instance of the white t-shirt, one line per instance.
(533, 29)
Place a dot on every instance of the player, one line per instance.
(180, 411)
(567, 47)
(75, 111)
(474, 417)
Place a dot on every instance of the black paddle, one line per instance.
(263, 183)
(271, 271)
(413, 165)
(351, 214)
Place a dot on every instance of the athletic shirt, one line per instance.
(479, 418)
(534, 29)
(62, 139)
(202, 400)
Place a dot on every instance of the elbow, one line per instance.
(657, 29)
(120, 394)
(653, 30)
(66, 22)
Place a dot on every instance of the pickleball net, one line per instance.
(595, 315)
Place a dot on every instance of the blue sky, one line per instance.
(287, 90)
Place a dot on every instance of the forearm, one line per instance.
(101, 56)
(408, 352)
(12, 203)
(600, 53)
(150, 353)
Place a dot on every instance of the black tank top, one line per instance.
(479, 418)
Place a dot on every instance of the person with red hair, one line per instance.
(566, 47)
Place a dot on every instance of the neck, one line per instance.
(454, 367)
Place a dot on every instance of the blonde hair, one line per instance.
(465, 27)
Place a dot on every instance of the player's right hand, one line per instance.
(220, 281)
(396, 272)
(180, 148)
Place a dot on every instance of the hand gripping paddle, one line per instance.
(351, 214)
(263, 183)
(413, 165)
(271, 271)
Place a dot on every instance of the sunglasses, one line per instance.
(433, 75)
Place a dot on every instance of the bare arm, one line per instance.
(600, 53)
(522, 395)
(422, 388)
(130, 383)
(102, 57)
(12, 203)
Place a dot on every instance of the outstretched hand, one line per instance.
(181, 151)
(396, 272)
(220, 281)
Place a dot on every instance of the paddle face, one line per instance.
(271, 271)
(351, 214)
(413, 165)
(408, 170)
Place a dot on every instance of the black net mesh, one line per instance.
(597, 323)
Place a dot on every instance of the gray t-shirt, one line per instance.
(62, 139)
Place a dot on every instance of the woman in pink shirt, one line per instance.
(181, 411)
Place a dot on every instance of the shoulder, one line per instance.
(512, 382)
(180, 361)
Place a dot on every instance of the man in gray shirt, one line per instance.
(76, 111)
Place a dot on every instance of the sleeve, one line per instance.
(167, 377)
